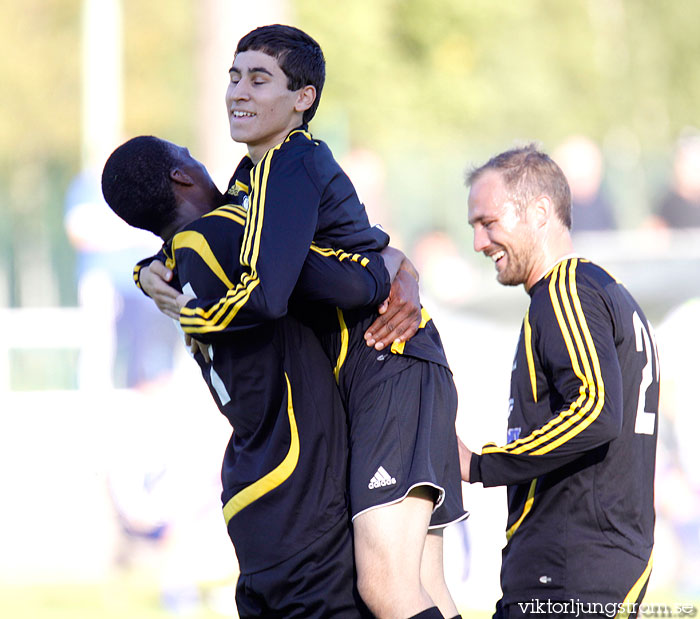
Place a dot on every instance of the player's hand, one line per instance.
(465, 459)
(399, 315)
(181, 300)
(196, 345)
(154, 280)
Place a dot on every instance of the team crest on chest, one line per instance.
(236, 190)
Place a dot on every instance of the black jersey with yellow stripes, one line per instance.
(274, 383)
(295, 195)
(303, 168)
(204, 259)
(580, 454)
(296, 449)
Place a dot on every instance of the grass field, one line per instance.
(135, 595)
(128, 595)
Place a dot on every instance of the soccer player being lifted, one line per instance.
(404, 482)
(270, 380)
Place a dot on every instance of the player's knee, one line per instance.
(372, 583)
(383, 586)
(369, 592)
(381, 602)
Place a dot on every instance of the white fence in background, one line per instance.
(40, 328)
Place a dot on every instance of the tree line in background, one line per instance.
(429, 85)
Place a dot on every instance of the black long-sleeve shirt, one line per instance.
(580, 457)
(274, 384)
(295, 195)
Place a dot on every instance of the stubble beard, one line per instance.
(516, 271)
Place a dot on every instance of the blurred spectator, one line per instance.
(446, 276)
(368, 174)
(367, 171)
(680, 206)
(132, 345)
(157, 491)
(582, 163)
(678, 477)
(166, 492)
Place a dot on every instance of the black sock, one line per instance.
(429, 613)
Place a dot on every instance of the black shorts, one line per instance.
(402, 435)
(318, 582)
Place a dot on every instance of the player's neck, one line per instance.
(258, 150)
(554, 249)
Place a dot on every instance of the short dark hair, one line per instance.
(528, 173)
(298, 55)
(136, 183)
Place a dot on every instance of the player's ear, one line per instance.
(181, 177)
(305, 98)
(543, 210)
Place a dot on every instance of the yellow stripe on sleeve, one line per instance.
(583, 403)
(252, 226)
(257, 237)
(340, 254)
(523, 444)
(596, 387)
(198, 243)
(230, 211)
(232, 216)
(527, 330)
(220, 315)
(579, 344)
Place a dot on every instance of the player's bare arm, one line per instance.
(465, 459)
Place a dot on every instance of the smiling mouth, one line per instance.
(496, 256)
(239, 114)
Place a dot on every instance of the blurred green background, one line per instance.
(429, 85)
(416, 92)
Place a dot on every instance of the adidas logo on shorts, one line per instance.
(381, 478)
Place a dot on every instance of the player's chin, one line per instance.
(238, 133)
(237, 137)
(508, 279)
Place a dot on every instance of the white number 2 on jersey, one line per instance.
(645, 421)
